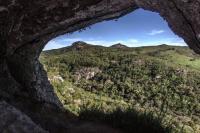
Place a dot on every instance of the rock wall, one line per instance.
(12, 120)
(27, 25)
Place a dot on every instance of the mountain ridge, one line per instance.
(119, 45)
(83, 44)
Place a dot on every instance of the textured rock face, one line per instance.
(13, 121)
(27, 25)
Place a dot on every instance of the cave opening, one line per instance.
(137, 29)
(136, 63)
(28, 100)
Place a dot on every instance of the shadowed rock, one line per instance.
(14, 121)
(27, 26)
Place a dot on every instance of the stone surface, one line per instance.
(14, 121)
(27, 25)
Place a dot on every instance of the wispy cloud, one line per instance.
(53, 45)
(67, 41)
(71, 40)
(133, 41)
(168, 41)
(129, 42)
(177, 42)
(155, 32)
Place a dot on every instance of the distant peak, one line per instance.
(163, 45)
(79, 43)
(119, 45)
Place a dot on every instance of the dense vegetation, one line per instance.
(161, 81)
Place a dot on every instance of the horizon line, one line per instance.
(153, 45)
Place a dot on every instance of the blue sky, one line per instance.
(139, 28)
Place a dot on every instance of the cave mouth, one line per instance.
(79, 75)
(138, 28)
(24, 33)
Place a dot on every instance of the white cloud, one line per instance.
(129, 42)
(176, 42)
(155, 32)
(61, 42)
(53, 45)
(180, 42)
(133, 41)
(168, 41)
(96, 42)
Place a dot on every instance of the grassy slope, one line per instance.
(78, 99)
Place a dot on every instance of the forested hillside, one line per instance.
(151, 85)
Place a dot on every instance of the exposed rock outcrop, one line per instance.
(80, 45)
(87, 73)
(26, 26)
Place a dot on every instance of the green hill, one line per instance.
(163, 81)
